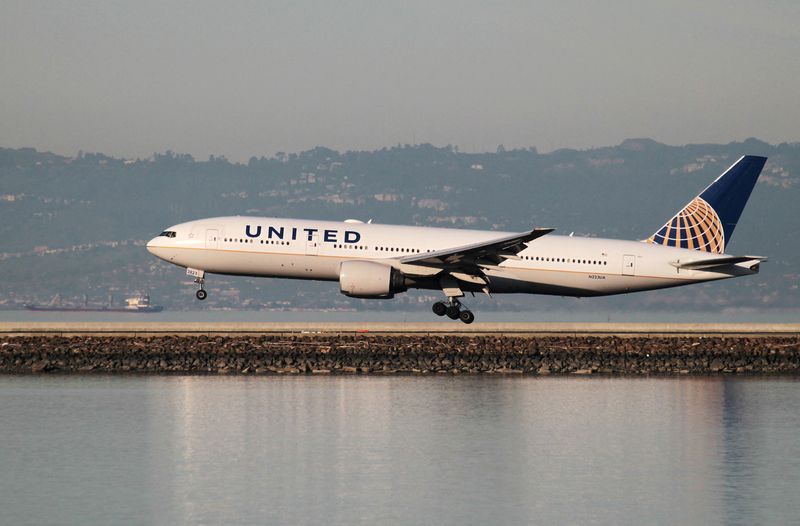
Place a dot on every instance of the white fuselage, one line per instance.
(304, 249)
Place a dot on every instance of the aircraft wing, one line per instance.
(467, 257)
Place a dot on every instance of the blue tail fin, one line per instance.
(707, 222)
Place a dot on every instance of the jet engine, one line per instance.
(367, 279)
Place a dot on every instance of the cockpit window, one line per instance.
(167, 233)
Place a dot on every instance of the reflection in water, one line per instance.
(738, 480)
(399, 450)
(761, 452)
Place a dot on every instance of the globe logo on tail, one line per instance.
(697, 227)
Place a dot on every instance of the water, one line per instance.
(398, 450)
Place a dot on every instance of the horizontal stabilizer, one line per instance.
(707, 264)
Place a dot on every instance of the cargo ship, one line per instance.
(134, 304)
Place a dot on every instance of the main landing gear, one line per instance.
(452, 308)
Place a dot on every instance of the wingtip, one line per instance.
(537, 233)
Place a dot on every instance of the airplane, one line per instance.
(378, 261)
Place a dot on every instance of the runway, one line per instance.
(144, 329)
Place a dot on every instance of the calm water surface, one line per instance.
(400, 450)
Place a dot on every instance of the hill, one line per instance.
(77, 225)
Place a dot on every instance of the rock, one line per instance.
(403, 354)
(40, 367)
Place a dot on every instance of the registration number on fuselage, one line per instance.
(195, 273)
(596, 276)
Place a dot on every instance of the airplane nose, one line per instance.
(150, 246)
(161, 249)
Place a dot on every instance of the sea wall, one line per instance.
(401, 354)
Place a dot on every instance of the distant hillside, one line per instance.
(77, 225)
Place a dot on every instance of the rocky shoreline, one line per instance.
(401, 354)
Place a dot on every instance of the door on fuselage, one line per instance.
(212, 238)
(628, 265)
(312, 245)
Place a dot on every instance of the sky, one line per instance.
(252, 78)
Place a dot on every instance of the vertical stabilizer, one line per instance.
(707, 222)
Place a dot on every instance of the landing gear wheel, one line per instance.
(466, 316)
(453, 311)
(440, 308)
(201, 294)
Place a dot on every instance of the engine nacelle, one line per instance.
(367, 279)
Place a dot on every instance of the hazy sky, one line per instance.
(253, 78)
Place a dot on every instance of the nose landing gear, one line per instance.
(199, 278)
(453, 309)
